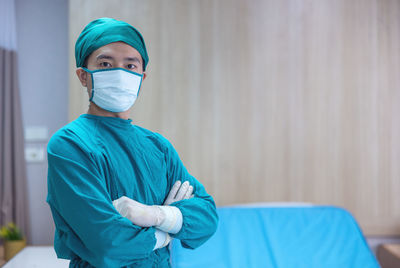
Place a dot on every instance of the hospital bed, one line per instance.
(280, 236)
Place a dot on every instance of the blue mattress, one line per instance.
(292, 237)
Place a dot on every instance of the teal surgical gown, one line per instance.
(95, 160)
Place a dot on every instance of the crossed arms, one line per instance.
(167, 219)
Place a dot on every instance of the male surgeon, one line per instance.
(119, 192)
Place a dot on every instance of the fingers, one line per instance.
(179, 191)
(118, 202)
(172, 193)
(175, 189)
(182, 191)
(189, 192)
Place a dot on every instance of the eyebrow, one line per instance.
(132, 59)
(107, 57)
(101, 56)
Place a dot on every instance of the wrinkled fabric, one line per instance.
(104, 31)
(95, 160)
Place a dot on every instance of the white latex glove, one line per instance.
(166, 218)
(162, 239)
(138, 213)
(179, 192)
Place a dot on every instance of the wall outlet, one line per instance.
(34, 154)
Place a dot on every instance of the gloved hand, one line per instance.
(138, 213)
(179, 192)
(166, 218)
(162, 239)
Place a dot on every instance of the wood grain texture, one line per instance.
(272, 100)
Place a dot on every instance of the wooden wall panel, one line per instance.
(272, 100)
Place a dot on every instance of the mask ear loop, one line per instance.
(91, 75)
(140, 85)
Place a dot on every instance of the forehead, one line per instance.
(116, 50)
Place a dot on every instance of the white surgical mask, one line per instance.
(115, 90)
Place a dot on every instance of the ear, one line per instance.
(82, 76)
(144, 77)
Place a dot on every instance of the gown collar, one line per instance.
(110, 121)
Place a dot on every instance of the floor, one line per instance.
(37, 256)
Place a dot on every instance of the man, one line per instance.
(118, 192)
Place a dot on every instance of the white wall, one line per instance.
(42, 36)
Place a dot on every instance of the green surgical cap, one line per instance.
(104, 31)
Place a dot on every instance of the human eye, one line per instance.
(130, 66)
(105, 64)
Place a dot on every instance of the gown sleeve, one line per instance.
(199, 213)
(86, 221)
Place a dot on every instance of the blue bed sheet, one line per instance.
(281, 237)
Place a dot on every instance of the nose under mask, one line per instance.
(115, 90)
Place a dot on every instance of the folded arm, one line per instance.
(167, 219)
(199, 213)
